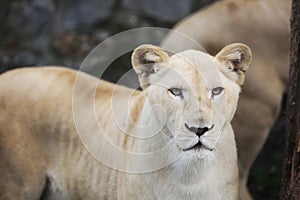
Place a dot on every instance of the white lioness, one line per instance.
(264, 26)
(173, 140)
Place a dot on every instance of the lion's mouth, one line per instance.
(198, 146)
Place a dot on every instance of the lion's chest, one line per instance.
(169, 186)
(177, 191)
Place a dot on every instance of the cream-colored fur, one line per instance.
(52, 118)
(264, 26)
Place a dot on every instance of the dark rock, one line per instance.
(82, 15)
(128, 20)
(100, 35)
(30, 19)
(22, 57)
(77, 45)
(197, 4)
(167, 10)
(25, 58)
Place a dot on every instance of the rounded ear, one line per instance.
(235, 59)
(144, 60)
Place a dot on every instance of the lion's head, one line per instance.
(197, 93)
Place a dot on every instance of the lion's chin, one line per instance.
(195, 159)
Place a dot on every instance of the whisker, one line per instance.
(223, 144)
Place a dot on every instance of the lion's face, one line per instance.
(194, 93)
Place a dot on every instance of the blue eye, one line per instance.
(175, 91)
(217, 91)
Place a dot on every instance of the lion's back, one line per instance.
(37, 128)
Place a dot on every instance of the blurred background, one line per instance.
(63, 32)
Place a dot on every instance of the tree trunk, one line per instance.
(290, 183)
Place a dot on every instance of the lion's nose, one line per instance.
(198, 130)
